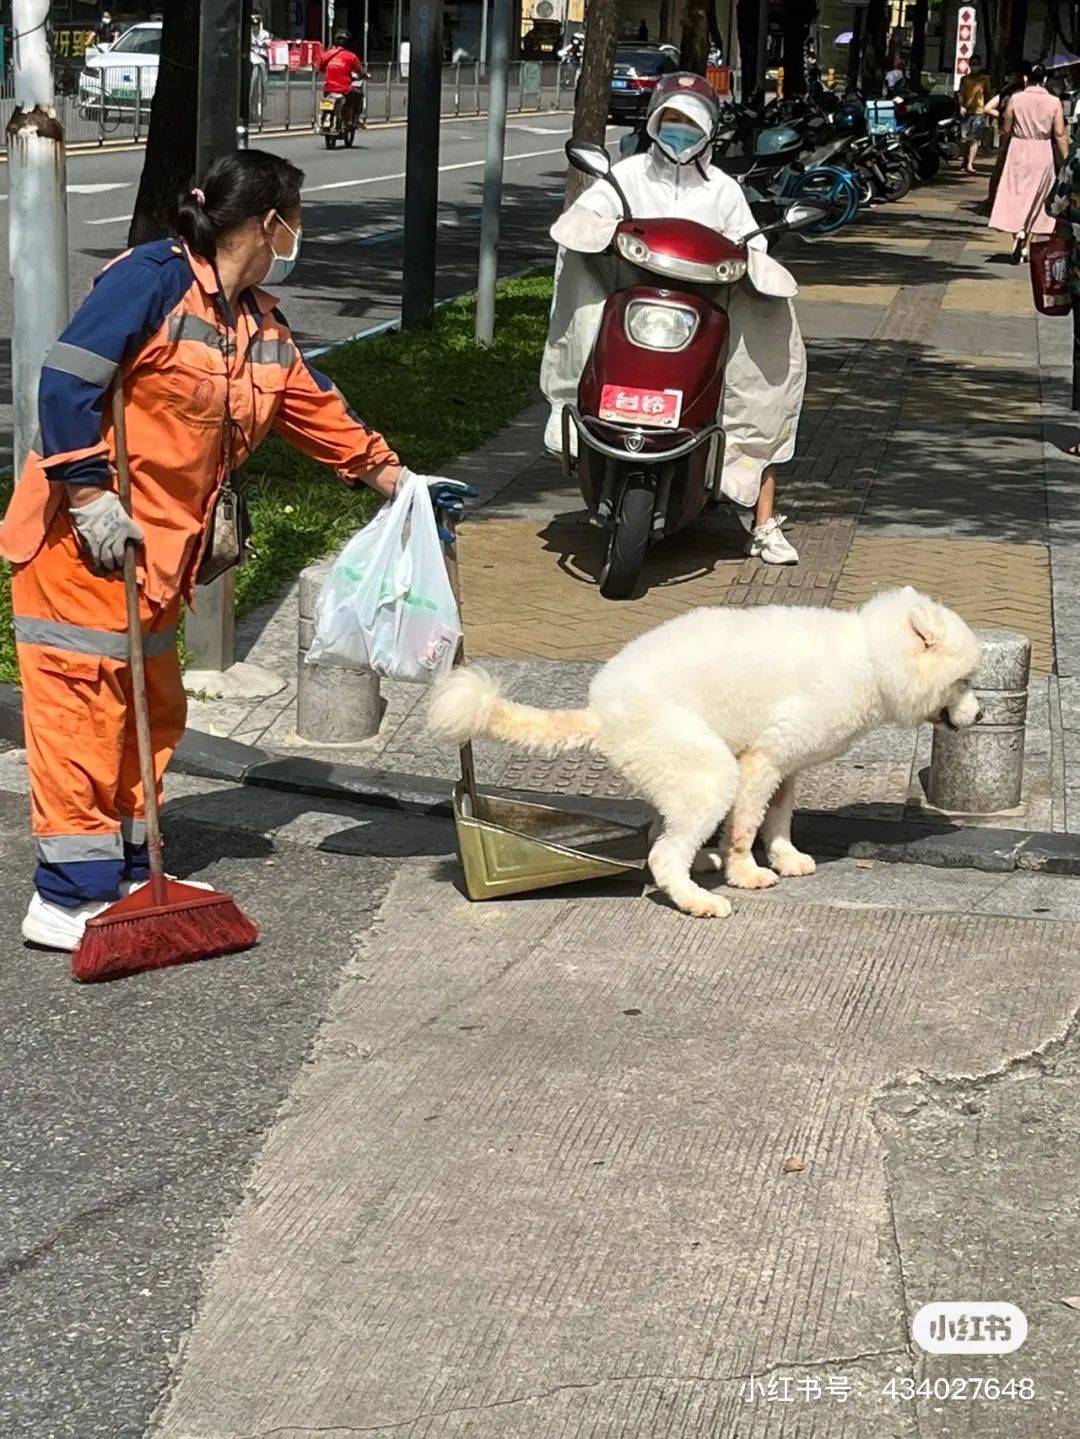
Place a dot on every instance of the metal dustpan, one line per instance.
(515, 846)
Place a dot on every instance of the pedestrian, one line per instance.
(974, 93)
(894, 81)
(260, 68)
(1064, 206)
(1036, 142)
(208, 367)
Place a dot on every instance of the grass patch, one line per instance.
(434, 395)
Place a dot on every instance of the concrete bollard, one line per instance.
(334, 705)
(981, 770)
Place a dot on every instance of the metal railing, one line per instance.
(112, 105)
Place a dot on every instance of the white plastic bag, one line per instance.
(387, 602)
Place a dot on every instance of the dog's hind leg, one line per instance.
(758, 780)
(785, 859)
(683, 768)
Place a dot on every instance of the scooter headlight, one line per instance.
(728, 271)
(633, 249)
(660, 327)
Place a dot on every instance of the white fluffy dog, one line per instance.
(714, 714)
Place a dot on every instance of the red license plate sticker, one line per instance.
(629, 405)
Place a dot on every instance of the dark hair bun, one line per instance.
(238, 186)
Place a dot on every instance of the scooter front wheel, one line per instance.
(629, 543)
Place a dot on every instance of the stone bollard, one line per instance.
(334, 705)
(981, 770)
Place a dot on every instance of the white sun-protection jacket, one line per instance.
(766, 363)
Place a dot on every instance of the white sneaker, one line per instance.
(129, 886)
(53, 927)
(768, 543)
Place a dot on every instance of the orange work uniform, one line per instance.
(192, 372)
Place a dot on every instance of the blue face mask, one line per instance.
(281, 266)
(677, 139)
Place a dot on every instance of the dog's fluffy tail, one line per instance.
(468, 703)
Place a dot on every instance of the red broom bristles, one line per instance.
(124, 940)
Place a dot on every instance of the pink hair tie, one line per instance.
(199, 196)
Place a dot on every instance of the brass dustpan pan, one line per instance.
(515, 846)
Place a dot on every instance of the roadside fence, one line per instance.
(112, 105)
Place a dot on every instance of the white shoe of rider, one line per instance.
(553, 435)
(53, 927)
(769, 543)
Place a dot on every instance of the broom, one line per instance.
(164, 922)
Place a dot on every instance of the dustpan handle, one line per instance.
(135, 650)
(468, 766)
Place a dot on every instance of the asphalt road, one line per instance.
(349, 275)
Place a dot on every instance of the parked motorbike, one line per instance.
(338, 122)
(649, 445)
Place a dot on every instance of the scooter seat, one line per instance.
(736, 164)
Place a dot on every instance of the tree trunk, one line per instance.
(917, 59)
(855, 48)
(796, 18)
(695, 37)
(746, 18)
(169, 162)
(1002, 18)
(594, 86)
(1051, 27)
(872, 71)
(1016, 34)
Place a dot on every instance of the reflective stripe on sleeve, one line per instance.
(133, 831)
(83, 364)
(78, 848)
(106, 644)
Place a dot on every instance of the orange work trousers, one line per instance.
(87, 800)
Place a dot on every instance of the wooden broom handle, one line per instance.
(468, 765)
(138, 663)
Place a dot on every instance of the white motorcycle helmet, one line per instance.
(693, 98)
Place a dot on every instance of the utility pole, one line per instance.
(37, 221)
(210, 629)
(485, 5)
(422, 163)
(498, 78)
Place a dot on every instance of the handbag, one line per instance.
(228, 539)
(1051, 265)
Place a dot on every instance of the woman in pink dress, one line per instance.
(1036, 144)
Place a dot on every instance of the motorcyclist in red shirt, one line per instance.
(340, 66)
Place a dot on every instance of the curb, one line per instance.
(938, 844)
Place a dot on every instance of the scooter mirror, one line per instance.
(592, 159)
(798, 216)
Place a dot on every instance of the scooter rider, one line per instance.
(766, 365)
(341, 66)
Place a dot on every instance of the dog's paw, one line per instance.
(743, 873)
(792, 864)
(708, 906)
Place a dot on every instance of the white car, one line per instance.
(129, 66)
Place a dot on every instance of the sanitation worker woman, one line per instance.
(208, 368)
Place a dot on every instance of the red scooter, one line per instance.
(650, 449)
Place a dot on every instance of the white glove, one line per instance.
(104, 527)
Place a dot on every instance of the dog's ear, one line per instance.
(926, 623)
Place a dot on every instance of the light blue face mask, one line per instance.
(678, 139)
(281, 266)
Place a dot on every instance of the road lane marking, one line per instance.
(541, 129)
(99, 189)
(443, 169)
(109, 220)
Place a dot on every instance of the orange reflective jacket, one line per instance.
(191, 375)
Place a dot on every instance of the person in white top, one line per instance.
(260, 67)
(766, 363)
